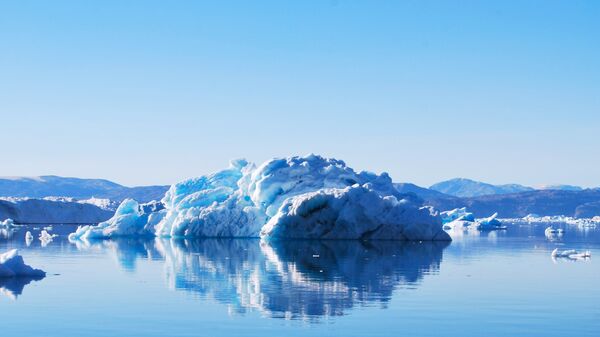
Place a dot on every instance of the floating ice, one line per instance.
(490, 223)
(571, 254)
(324, 197)
(28, 238)
(12, 265)
(459, 218)
(460, 214)
(129, 220)
(7, 224)
(46, 237)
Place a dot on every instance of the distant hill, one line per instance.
(46, 186)
(461, 187)
(584, 203)
(421, 192)
(48, 212)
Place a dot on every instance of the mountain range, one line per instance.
(483, 199)
(54, 186)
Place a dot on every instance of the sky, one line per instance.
(152, 92)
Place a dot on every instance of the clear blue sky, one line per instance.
(145, 92)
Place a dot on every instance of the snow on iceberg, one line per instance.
(13, 265)
(295, 197)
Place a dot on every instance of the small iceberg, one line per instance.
(459, 218)
(490, 223)
(46, 237)
(457, 214)
(7, 224)
(571, 254)
(13, 265)
(28, 238)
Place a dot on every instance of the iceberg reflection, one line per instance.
(297, 279)
(301, 279)
(13, 287)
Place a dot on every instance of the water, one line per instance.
(494, 284)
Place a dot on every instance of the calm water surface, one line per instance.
(482, 284)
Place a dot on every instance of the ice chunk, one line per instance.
(355, 212)
(7, 224)
(571, 254)
(12, 265)
(46, 237)
(129, 220)
(490, 223)
(460, 214)
(248, 201)
(28, 238)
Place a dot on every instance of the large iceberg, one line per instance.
(296, 197)
(12, 265)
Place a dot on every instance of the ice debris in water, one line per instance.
(12, 265)
(553, 219)
(295, 197)
(571, 254)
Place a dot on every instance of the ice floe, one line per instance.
(571, 254)
(13, 265)
(294, 197)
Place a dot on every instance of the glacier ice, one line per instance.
(294, 197)
(13, 265)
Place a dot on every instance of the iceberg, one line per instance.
(459, 218)
(490, 223)
(45, 237)
(28, 238)
(130, 219)
(13, 265)
(307, 197)
(7, 224)
(459, 214)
